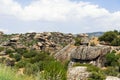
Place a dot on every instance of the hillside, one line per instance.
(58, 56)
(96, 34)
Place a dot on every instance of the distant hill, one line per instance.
(97, 34)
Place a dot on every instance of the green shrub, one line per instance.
(108, 36)
(41, 56)
(31, 69)
(90, 67)
(21, 51)
(52, 71)
(111, 59)
(17, 57)
(2, 49)
(21, 64)
(111, 71)
(116, 42)
(11, 55)
(30, 54)
(97, 76)
(77, 41)
(8, 51)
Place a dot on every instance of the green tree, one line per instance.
(108, 36)
(116, 42)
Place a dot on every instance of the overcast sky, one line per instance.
(68, 16)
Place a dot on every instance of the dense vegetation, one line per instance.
(111, 37)
(38, 64)
(41, 65)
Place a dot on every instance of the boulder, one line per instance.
(15, 39)
(112, 78)
(85, 41)
(1, 33)
(89, 52)
(39, 44)
(37, 36)
(65, 53)
(77, 73)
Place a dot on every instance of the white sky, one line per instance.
(56, 15)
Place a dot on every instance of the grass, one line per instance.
(7, 73)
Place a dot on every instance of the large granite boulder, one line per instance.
(65, 53)
(77, 73)
(90, 52)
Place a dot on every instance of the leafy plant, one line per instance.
(108, 36)
(8, 51)
(1, 49)
(77, 41)
(17, 56)
(53, 71)
(97, 76)
(111, 59)
(30, 54)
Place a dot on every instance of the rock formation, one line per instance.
(112, 78)
(77, 73)
(64, 54)
(89, 52)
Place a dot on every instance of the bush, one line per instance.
(31, 69)
(111, 71)
(41, 56)
(21, 64)
(30, 54)
(77, 41)
(11, 55)
(17, 57)
(111, 59)
(116, 42)
(8, 51)
(90, 67)
(97, 76)
(1, 49)
(21, 51)
(108, 36)
(53, 71)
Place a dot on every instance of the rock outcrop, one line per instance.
(77, 73)
(112, 78)
(64, 54)
(47, 41)
(89, 52)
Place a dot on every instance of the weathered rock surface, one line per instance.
(89, 52)
(112, 78)
(85, 54)
(1, 33)
(77, 73)
(46, 41)
(65, 53)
